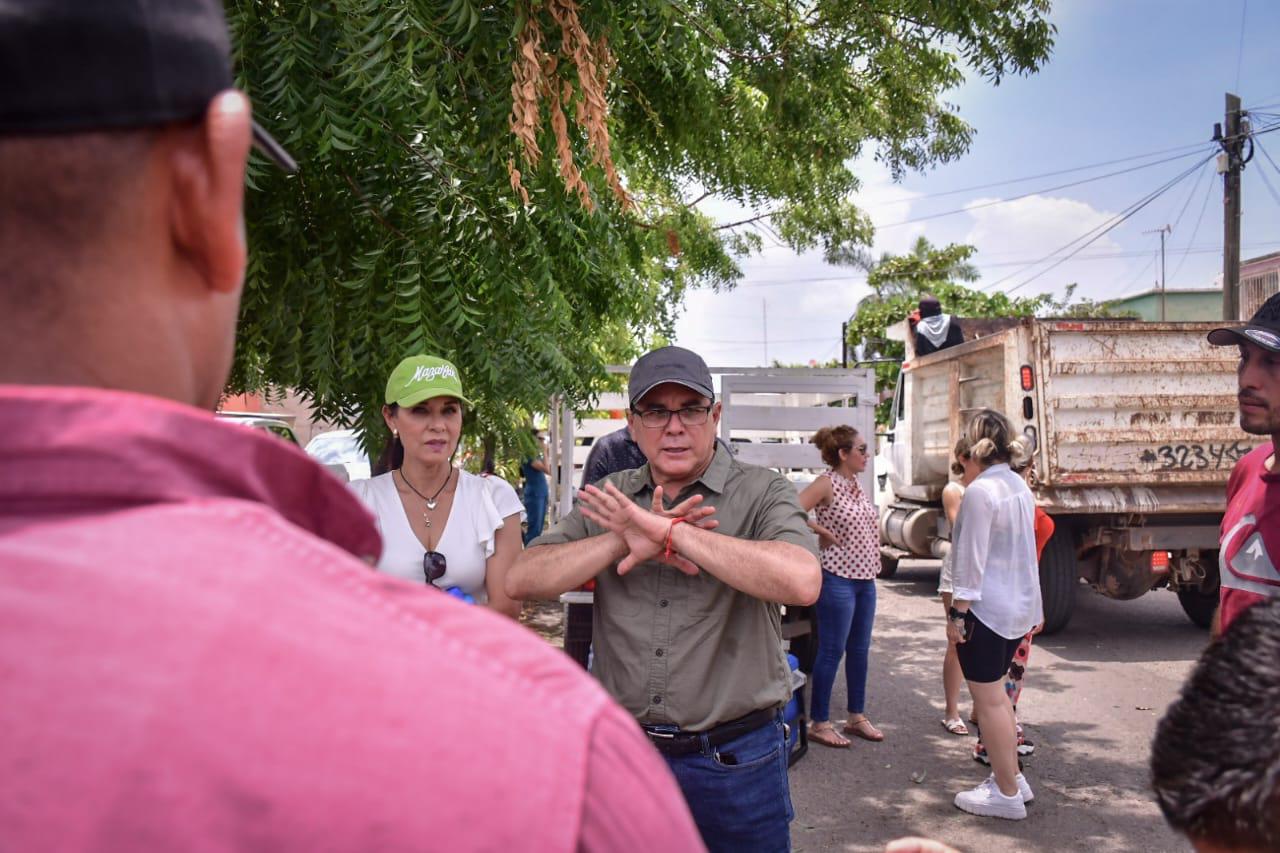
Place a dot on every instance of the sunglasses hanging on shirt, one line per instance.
(433, 566)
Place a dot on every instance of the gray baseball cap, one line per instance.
(1262, 329)
(669, 364)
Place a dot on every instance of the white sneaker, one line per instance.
(1023, 788)
(986, 800)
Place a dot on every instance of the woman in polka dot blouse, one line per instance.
(847, 528)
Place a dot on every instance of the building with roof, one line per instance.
(1201, 303)
(1259, 281)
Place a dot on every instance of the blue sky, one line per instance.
(1127, 77)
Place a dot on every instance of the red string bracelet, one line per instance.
(667, 552)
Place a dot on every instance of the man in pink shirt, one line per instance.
(193, 654)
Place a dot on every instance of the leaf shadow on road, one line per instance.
(1090, 774)
(1101, 629)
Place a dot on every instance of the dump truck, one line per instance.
(1134, 430)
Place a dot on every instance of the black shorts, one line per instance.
(985, 656)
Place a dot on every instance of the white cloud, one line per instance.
(805, 299)
(1011, 236)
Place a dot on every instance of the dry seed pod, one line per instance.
(536, 74)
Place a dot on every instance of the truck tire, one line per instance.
(1198, 605)
(1059, 577)
(888, 566)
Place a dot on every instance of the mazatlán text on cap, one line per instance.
(422, 372)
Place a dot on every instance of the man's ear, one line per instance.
(715, 413)
(207, 202)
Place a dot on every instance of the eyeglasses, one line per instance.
(861, 448)
(659, 418)
(433, 566)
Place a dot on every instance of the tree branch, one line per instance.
(742, 222)
(369, 205)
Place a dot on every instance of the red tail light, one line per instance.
(1160, 561)
(1028, 378)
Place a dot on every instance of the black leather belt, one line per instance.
(687, 743)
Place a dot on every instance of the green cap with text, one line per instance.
(421, 377)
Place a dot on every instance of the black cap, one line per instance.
(84, 65)
(669, 364)
(1262, 329)
(929, 306)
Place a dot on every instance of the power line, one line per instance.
(1262, 174)
(1128, 211)
(758, 341)
(1021, 262)
(1123, 217)
(1007, 181)
(1195, 148)
(1103, 229)
(1195, 185)
(1208, 191)
(1042, 190)
(1134, 280)
(1267, 155)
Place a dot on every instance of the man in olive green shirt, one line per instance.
(687, 624)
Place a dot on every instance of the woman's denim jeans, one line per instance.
(846, 612)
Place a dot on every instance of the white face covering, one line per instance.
(934, 328)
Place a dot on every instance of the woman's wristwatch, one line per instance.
(956, 616)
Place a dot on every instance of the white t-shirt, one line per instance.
(993, 553)
(480, 505)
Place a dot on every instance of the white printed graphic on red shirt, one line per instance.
(1249, 567)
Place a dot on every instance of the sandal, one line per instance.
(955, 726)
(862, 728)
(826, 734)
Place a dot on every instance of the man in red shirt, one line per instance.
(1250, 542)
(194, 654)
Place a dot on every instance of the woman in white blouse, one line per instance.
(440, 525)
(995, 601)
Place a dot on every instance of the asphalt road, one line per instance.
(1090, 702)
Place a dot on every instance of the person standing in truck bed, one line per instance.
(935, 330)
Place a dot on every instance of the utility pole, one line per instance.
(1230, 164)
(844, 345)
(1162, 230)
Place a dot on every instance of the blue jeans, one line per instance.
(846, 612)
(535, 508)
(743, 806)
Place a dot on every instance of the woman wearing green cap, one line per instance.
(440, 525)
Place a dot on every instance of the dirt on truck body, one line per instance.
(1135, 431)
